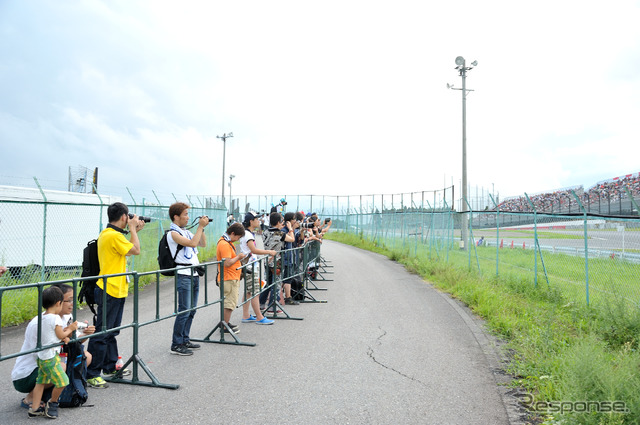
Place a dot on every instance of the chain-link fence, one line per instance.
(328, 205)
(588, 257)
(42, 241)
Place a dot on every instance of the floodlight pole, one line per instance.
(462, 69)
(231, 177)
(224, 138)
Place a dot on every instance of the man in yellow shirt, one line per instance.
(113, 250)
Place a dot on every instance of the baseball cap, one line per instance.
(251, 215)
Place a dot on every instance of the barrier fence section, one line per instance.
(334, 205)
(308, 261)
(590, 258)
(44, 241)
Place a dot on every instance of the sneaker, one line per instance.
(180, 350)
(35, 413)
(264, 321)
(291, 301)
(234, 329)
(125, 372)
(191, 346)
(270, 311)
(249, 320)
(262, 306)
(97, 382)
(51, 411)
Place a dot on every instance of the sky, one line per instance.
(334, 97)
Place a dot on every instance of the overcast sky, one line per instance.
(332, 97)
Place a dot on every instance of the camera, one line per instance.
(210, 219)
(327, 220)
(306, 225)
(141, 218)
(82, 325)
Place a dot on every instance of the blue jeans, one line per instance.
(273, 293)
(188, 287)
(104, 348)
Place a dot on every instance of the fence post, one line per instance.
(633, 201)
(44, 230)
(497, 233)
(472, 239)
(95, 190)
(132, 198)
(535, 239)
(586, 246)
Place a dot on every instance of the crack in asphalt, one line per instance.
(370, 354)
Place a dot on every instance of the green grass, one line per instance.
(561, 349)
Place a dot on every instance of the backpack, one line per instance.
(90, 267)
(165, 259)
(273, 240)
(75, 394)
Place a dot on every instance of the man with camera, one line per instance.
(289, 258)
(183, 247)
(273, 239)
(113, 250)
(279, 207)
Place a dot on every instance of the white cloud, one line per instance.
(348, 97)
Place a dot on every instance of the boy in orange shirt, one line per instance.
(226, 252)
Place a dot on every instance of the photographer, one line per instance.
(186, 244)
(274, 238)
(113, 250)
(252, 278)
(327, 225)
(288, 258)
(278, 208)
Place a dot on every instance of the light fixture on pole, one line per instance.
(231, 177)
(462, 69)
(224, 138)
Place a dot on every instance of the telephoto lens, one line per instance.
(141, 218)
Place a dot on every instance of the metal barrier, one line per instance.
(135, 361)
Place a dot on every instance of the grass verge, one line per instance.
(576, 360)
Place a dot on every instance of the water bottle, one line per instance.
(63, 358)
(119, 363)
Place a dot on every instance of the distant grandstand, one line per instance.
(610, 197)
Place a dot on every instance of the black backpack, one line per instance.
(165, 259)
(75, 394)
(90, 267)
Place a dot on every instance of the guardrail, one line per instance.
(306, 254)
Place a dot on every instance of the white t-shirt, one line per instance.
(187, 254)
(26, 364)
(49, 323)
(244, 248)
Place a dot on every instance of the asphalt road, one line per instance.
(386, 348)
